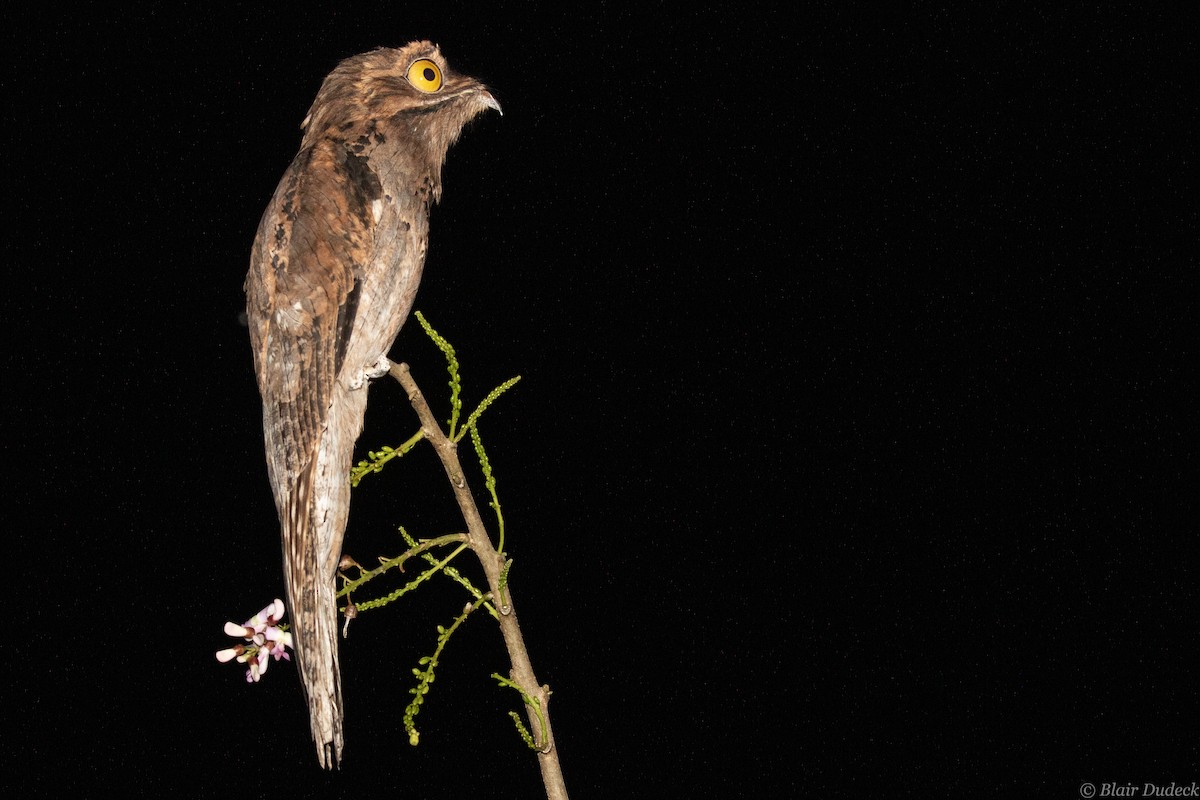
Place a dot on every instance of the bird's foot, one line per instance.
(370, 372)
(378, 369)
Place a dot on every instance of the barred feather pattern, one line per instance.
(333, 274)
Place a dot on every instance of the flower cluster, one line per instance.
(264, 636)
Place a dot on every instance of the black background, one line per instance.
(854, 447)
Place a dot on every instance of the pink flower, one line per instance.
(264, 636)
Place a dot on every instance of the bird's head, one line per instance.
(411, 87)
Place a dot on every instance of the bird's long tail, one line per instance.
(314, 505)
(311, 596)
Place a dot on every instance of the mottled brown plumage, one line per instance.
(333, 274)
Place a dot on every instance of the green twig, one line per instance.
(425, 676)
(533, 703)
(415, 548)
(451, 572)
(376, 460)
(487, 401)
(451, 366)
(489, 482)
(367, 605)
(502, 584)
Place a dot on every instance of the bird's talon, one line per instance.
(379, 368)
(370, 373)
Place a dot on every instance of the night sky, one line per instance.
(854, 449)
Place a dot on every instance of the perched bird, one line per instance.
(333, 273)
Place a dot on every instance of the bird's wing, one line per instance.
(314, 241)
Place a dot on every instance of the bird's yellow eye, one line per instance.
(425, 75)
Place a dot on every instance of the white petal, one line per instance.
(233, 629)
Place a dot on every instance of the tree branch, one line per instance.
(493, 565)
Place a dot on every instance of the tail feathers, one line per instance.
(322, 680)
(311, 596)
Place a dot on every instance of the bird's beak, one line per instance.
(486, 98)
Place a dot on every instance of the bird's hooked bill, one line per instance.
(486, 98)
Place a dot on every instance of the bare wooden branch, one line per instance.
(493, 564)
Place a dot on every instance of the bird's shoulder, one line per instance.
(317, 234)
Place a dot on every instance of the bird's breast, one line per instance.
(388, 281)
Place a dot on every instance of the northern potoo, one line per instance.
(333, 274)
